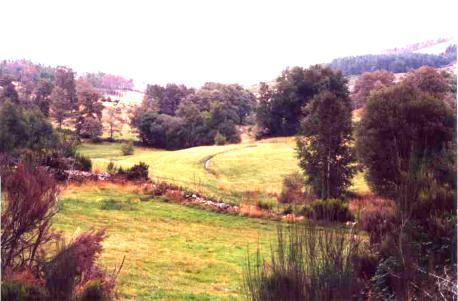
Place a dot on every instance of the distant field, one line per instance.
(236, 173)
(172, 252)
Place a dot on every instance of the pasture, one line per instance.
(235, 173)
(172, 252)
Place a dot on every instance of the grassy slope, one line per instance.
(172, 252)
(236, 172)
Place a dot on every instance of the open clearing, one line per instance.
(236, 172)
(172, 252)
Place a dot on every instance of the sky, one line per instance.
(195, 41)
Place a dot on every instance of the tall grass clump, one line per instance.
(305, 263)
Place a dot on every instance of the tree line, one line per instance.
(397, 63)
(175, 116)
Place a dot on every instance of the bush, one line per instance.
(265, 204)
(176, 196)
(137, 172)
(288, 209)
(220, 139)
(111, 169)
(73, 264)
(94, 291)
(330, 210)
(29, 206)
(127, 149)
(293, 189)
(18, 291)
(83, 163)
(307, 263)
(377, 219)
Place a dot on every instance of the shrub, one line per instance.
(288, 209)
(160, 188)
(306, 263)
(220, 139)
(265, 204)
(377, 218)
(30, 203)
(83, 163)
(330, 210)
(94, 291)
(18, 291)
(111, 169)
(137, 172)
(127, 148)
(293, 189)
(72, 265)
(176, 196)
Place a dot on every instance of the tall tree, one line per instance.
(398, 124)
(89, 113)
(294, 88)
(42, 96)
(8, 90)
(64, 101)
(324, 150)
(59, 108)
(113, 119)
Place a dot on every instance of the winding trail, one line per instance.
(206, 160)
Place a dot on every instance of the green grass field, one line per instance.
(235, 173)
(172, 252)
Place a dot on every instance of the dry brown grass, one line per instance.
(251, 211)
(99, 186)
(369, 201)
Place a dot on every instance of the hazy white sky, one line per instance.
(194, 41)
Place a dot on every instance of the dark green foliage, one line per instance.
(265, 204)
(111, 169)
(127, 149)
(18, 291)
(306, 263)
(325, 151)
(137, 172)
(177, 117)
(391, 62)
(332, 210)
(293, 189)
(89, 112)
(22, 129)
(166, 100)
(237, 102)
(399, 123)
(8, 90)
(280, 108)
(190, 128)
(220, 139)
(83, 163)
(94, 291)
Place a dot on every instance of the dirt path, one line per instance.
(206, 160)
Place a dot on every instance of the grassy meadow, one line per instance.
(172, 252)
(236, 173)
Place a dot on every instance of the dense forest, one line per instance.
(402, 62)
(175, 116)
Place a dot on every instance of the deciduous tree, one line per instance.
(325, 152)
